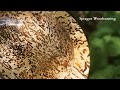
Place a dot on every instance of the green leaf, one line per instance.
(98, 54)
(113, 45)
(106, 73)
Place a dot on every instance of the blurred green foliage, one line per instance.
(104, 43)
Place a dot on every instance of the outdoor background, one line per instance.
(104, 42)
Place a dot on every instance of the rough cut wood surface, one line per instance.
(42, 45)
